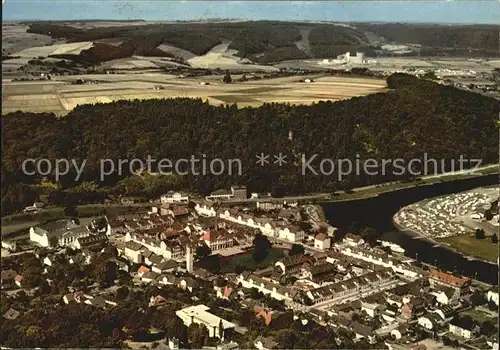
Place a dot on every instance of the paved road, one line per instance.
(6, 253)
(427, 177)
(473, 224)
(463, 172)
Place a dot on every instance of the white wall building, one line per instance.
(174, 197)
(205, 210)
(322, 241)
(493, 296)
(291, 234)
(268, 288)
(461, 332)
(64, 232)
(425, 322)
(199, 314)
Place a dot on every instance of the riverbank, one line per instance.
(377, 212)
(468, 251)
(375, 190)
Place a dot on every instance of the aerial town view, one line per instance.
(250, 175)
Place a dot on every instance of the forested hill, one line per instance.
(272, 41)
(414, 118)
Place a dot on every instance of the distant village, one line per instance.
(273, 259)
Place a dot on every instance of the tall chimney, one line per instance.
(189, 260)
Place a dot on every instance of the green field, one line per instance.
(480, 316)
(468, 245)
(246, 261)
(234, 98)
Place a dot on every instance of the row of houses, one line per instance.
(363, 285)
(369, 255)
(274, 290)
(279, 228)
(268, 227)
(82, 298)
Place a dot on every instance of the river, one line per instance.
(377, 212)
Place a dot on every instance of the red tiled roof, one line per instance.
(180, 211)
(143, 269)
(206, 236)
(320, 237)
(449, 278)
(227, 291)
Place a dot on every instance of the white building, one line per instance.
(205, 210)
(322, 241)
(267, 227)
(292, 234)
(199, 314)
(133, 252)
(174, 197)
(274, 290)
(220, 195)
(65, 233)
(360, 58)
(493, 296)
(445, 296)
(157, 246)
(429, 321)
(461, 330)
(383, 260)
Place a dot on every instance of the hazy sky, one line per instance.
(458, 11)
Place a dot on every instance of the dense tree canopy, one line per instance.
(414, 118)
(267, 41)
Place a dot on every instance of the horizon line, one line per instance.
(5, 21)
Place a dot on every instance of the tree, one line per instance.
(111, 251)
(369, 234)
(479, 233)
(259, 255)
(197, 335)
(297, 249)
(227, 78)
(53, 241)
(245, 317)
(137, 325)
(488, 215)
(494, 238)
(478, 298)
(70, 208)
(36, 335)
(175, 328)
(261, 245)
(286, 338)
(487, 328)
(104, 271)
(446, 340)
(202, 251)
(221, 330)
(492, 306)
(122, 293)
(261, 242)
